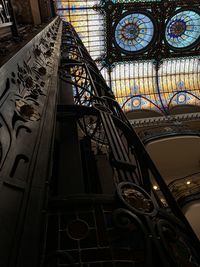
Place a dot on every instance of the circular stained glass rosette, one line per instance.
(181, 98)
(183, 29)
(134, 32)
(136, 103)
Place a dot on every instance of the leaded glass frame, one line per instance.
(182, 29)
(137, 31)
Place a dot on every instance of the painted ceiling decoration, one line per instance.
(147, 51)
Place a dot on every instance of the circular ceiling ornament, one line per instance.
(181, 98)
(183, 29)
(136, 102)
(134, 32)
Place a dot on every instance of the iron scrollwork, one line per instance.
(176, 244)
(137, 231)
(129, 159)
(136, 198)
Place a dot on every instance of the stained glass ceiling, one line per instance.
(136, 74)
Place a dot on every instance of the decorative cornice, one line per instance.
(176, 119)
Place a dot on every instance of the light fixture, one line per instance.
(155, 187)
(188, 182)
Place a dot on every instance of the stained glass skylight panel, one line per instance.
(88, 23)
(138, 86)
(179, 81)
(74, 4)
(183, 29)
(133, 1)
(134, 86)
(134, 32)
(128, 43)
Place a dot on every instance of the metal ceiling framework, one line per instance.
(160, 75)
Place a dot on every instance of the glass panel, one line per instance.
(88, 23)
(132, 1)
(134, 32)
(183, 29)
(74, 4)
(135, 85)
(179, 81)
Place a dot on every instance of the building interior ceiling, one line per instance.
(147, 51)
(184, 161)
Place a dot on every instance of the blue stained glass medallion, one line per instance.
(134, 32)
(183, 29)
(181, 98)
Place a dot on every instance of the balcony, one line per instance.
(170, 130)
(187, 193)
(186, 189)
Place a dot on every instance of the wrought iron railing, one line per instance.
(5, 16)
(158, 132)
(185, 187)
(136, 203)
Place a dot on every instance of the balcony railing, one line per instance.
(158, 132)
(186, 189)
(5, 16)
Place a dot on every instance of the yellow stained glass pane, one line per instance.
(87, 22)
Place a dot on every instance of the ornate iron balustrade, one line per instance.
(137, 205)
(186, 188)
(5, 16)
(161, 121)
(163, 131)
